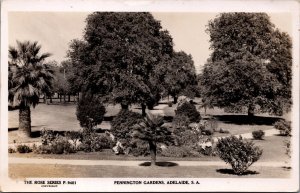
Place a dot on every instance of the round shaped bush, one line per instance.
(239, 153)
(188, 110)
(90, 111)
(258, 134)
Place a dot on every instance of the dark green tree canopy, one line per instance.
(250, 66)
(179, 74)
(118, 55)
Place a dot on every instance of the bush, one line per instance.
(287, 144)
(205, 130)
(223, 131)
(188, 110)
(181, 122)
(74, 136)
(11, 150)
(170, 104)
(24, 149)
(90, 111)
(121, 125)
(284, 127)
(239, 153)
(47, 136)
(138, 148)
(92, 141)
(258, 134)
(61, 145)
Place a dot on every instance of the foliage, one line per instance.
(23, 149)
(250, 65)
(90, 111)
(284, 127)
(179, 75)
(122, 124)
(117, 56)
(29, 76)
(74, 136)
(258, 134)
(170, 104)
(11, 150)
(189, 110)
(181, 121)
(61, 145)
(47, 136)
(152, 131)
(239, 153)
(92, 141)
(138, 148)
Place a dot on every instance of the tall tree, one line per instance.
(29, 78)
(179, 74)
(250, 66)
(118, 55)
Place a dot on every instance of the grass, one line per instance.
(42, 170)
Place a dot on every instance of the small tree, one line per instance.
(239, 153)
(188, 110)
(90, 111)
(151, 130)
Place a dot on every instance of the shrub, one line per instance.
(11, 150)
(287, 144)
(90, 111)
(284, 127)
(170, 104)
(239, 153)
(223, 131)
(181, 121)
(186, 137)
(121, 125)
(205, 130)
(61, 145)
(92, 141)
(188, 110)
(138, 148)
(74, 136)
(258, 134)
(47, 136)
(24, 149)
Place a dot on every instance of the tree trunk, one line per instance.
(251, 108)
(24, 121)
(143, 110)
(175, 99)
(69, 98)
(60, 98)
(124, 106)
(64, 98)
(50, 98)
(152, 147)
(45, 98)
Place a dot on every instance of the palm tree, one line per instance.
(151, 129)
(29, 77)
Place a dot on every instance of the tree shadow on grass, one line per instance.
(231, 172)
(245, 119)
(161, 164)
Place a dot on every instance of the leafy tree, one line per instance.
(118, 55)
(250, 66)
(152, 131)
(179, 75)
(29, 78)
(90, 111)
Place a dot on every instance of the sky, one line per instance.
(55, 30)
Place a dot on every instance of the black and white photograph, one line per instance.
(149, 96)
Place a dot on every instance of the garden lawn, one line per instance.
(47, 170)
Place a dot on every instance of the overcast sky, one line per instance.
(55, 30)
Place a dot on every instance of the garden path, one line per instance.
(16, 160)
